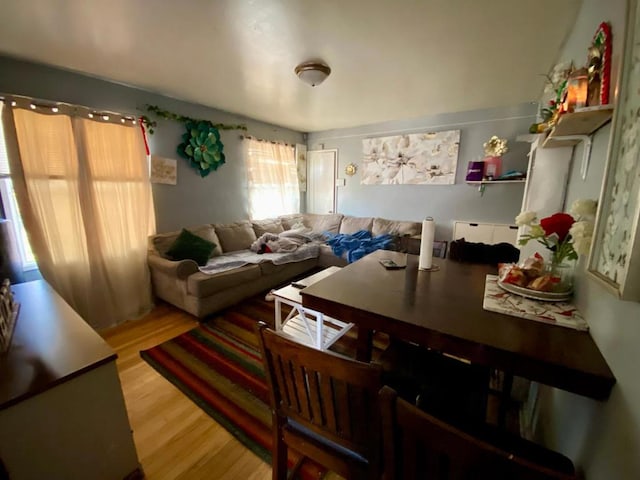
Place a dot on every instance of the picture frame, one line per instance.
(614, 260)
(164, 170)
(301, 166)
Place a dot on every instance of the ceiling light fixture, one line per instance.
(312, 73)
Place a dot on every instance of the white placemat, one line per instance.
(498, 300)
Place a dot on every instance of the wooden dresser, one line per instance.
(62, 412)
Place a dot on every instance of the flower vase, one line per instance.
(562, 275)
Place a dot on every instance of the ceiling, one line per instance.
(390, 59)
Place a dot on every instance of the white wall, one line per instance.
(603, 438)
(445, 203)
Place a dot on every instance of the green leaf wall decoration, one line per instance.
(201, 145)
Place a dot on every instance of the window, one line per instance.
(273, 179)
(10, 207)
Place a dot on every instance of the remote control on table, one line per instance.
(390, 264)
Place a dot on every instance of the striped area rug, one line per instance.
(218, 366)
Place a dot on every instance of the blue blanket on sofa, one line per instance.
(356, 245)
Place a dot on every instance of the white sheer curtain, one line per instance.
(272, 178)
(84, 194)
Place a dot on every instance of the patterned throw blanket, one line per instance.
(357, 245)
(229, 261)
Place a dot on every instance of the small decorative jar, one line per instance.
(492, 167)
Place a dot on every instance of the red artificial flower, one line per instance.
(552, 102)
(558, 223)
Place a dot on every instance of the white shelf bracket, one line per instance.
(586, 153)
(586, 157)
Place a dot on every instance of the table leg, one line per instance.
(364, 344)
(278, 308)
(319, 325)
(505, 399)
(305, 320)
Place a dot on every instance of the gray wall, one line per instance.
(219, 197)
(603, 438)
(445, 203)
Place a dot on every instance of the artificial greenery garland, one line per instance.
(201, 144)
(167, 115)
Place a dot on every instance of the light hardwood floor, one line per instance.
(175, 439)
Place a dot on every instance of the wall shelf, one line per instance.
(483, 183)
(494, 182)
(576, 127)
(572, 127)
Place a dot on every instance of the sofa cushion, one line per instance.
(323, 223)
(354, 224)
(236, 236)
(188, 246)
(292, 220)
(162, 241)
(202, 285)
(269, 225)
(396, 228)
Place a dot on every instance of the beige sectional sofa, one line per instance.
(182, 284)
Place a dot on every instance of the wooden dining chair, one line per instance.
(444, 386)
(420, 446)
(323, 405)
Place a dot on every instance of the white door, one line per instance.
(321, 181)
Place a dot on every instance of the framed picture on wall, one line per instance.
(615, 254)
(301, 166)
(164, 170)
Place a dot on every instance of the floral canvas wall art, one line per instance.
(419, 158)
(615, 257)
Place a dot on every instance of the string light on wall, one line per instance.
(53, 107)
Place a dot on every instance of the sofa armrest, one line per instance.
(181, 269)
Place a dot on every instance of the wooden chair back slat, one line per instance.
(327, 396)
(409, 454)
(343, 409)
(318, 415)
(279, 372)
(299, 382)
(418, 445)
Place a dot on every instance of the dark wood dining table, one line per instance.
(443, 310)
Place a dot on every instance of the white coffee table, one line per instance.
(304, 325)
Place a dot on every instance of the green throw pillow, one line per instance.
(188, 246)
